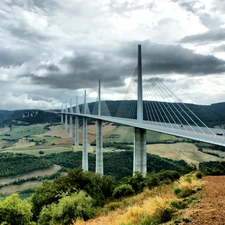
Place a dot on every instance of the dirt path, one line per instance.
(211, 209)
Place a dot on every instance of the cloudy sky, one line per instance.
(51, 50)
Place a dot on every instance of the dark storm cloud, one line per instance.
(32, 4)
(83, 71)
(25, 33)
(164, 59)
(207, 37)
(50, 67)
(9, 57)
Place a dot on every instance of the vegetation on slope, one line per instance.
(117, 164)
(16, 164)
(81, 195)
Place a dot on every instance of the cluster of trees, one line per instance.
(213, 168)
(75, 195)
(12, 164)
(118, 164)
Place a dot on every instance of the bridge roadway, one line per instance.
(202, 134)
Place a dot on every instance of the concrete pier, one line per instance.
(85, 140)
(71, 119)
(62, 114)
(99, 148)
(140, 157)
(85, 143)
(66, 117)
(99, 144)
(76, 140)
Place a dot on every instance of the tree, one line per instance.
(69, 208)
(15, 211)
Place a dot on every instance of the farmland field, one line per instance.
(126, 134)
(179, 151)
(37, 173)
(15, 188)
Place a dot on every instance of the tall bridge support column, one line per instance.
(76, 140)
(140, 156)
(62, 114)
(99, 145)
(99, 149)
(66, 118)
(71, 119)
(85, 143)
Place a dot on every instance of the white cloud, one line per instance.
(36, 36)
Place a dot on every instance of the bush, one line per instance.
(69, 208)
(123, 190)
(198, 174)
(178, 204)
(183, 192)
(15, 211)
(162, 215)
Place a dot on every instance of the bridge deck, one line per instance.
(203, 134)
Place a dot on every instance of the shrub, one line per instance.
(183, 192)
(15, 211)
(123, 190)
(198, 174)
(178, 204)
(69, 208)
(162, 215)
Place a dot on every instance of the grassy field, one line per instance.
(179, 151)
(19, 132)
(15, 188)
(37, 173)
(126, 134)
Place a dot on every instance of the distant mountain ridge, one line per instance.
(211, 115)
(27, 117)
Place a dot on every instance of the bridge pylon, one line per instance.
(71, 119)
(66, 117)
(85, 138)
(76, 139)
(140, 158)
(62, 114)
(99, 144)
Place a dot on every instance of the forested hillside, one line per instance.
(27, 117)
(117, 164)
(16, 164)
(211, 115)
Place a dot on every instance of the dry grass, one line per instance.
(179, 151)
(134, 210)
(36, 173)
(15, 188)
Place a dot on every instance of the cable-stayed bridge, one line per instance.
(160, 111)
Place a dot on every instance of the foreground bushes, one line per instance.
(123, 190)
(98, 187)
(69, 208)
(77, 195)
(15, 211)
(138, 182)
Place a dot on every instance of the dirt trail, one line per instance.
(211, 209)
